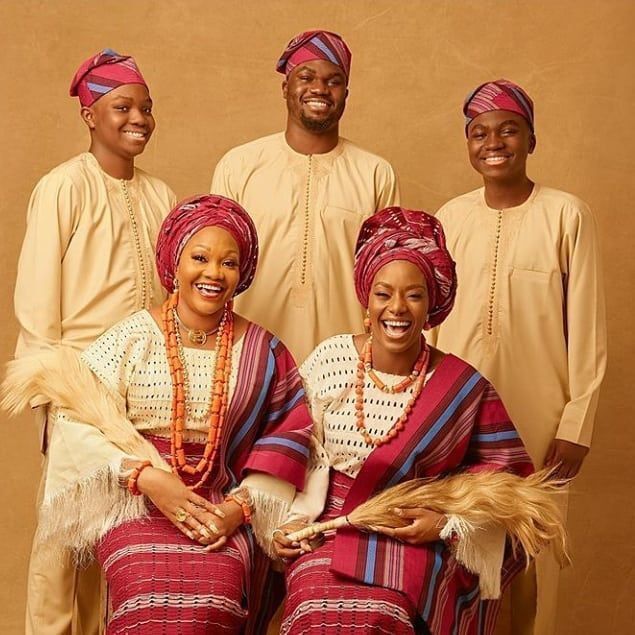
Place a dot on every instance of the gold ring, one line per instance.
(180, 514)
(212, 526)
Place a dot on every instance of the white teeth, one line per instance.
(495, 160)
(396, 328)
(208, 289)
(317, 103)
(133, 133)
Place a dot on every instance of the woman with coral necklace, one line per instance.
(387, 408)
(191, 426)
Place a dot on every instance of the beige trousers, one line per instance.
(61, 599)
(533, 595)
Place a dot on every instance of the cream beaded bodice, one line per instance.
(131, 360)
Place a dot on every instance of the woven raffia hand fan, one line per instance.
(525, 507)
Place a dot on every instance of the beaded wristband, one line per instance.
(134, 475)
(244, 505)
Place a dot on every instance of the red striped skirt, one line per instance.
(160, 581)
(319, 601)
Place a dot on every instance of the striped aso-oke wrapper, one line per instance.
(315, 45)
(498, 95)
(104, 72)
(396, 233)
(196, 213)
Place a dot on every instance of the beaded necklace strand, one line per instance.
(416, 377)
(180, 386)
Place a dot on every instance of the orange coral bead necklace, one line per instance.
(219, 391)
(416, 377)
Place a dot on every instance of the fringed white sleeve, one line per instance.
(271, 500)
(82, 498)
(480, 550)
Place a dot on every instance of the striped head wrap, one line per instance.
(196, 213)
(498, 95)
(396, 233)
(102, 73)
(315, 45)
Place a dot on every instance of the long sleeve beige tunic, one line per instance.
(308, 210)
(529, 312)
(87, 260)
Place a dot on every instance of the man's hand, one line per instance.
(566, 457)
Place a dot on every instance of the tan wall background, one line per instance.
(210, 67)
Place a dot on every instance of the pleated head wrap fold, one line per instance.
(396, 233)
(194, 214)
(498, 95)
(315, 45)
(102, 73)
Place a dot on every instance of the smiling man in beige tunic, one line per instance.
(87, 261)
(529, 312)
(308, 191)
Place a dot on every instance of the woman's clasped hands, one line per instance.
(196, 517)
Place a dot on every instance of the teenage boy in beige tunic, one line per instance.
(529, 311)
(87, 261)
(308, 191)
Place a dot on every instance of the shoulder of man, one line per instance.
(359, 153)
(251, 148)
(568, 203)
(71, 171)
(460, 204)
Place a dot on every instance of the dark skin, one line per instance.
(398, 297)
(499, 143)
(316, 94)
(121, 124)
(207, 274)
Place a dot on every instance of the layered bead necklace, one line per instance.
(416, 377)
(216, 411)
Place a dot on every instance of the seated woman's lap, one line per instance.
(156, 575)
(320, 601)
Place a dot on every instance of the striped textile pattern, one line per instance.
(102, 73)
(321, 601)
(269, 425)
(498, 95)
(315, 45)
(162, 582)
(461, 425)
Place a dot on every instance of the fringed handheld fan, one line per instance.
(525, 507)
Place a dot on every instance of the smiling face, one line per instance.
(498, 144)
(121, 122)
(398, 308)
(315, 93)
(208, 274)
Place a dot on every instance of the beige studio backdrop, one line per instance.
(210, 69)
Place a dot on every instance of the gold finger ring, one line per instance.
(180, 514)
(203, 531)
(213, 527)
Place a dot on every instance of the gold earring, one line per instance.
(367, 321)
